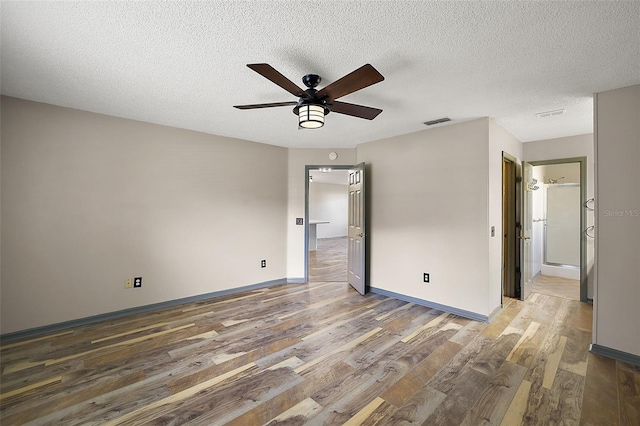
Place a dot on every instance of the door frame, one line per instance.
(307, 169)
(516, 211)
(583, 215)
(357, 221)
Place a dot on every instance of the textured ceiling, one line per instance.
(183, 64)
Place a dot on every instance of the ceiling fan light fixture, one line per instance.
(312, 104)
(311, 116)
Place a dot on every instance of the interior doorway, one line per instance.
(510, 228)
(559, 234)
(328, 225)
(539, 243)
(356, 271)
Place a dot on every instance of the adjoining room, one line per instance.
(328, 224)
(557, 232)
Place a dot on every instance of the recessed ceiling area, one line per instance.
(183, 64)
(336, 177)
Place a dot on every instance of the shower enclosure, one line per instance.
(562, 231)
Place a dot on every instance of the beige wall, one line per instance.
(329, 202)
(499, 141)
(566, 173)
(90, 200)
(617, 292)
(297, 160)
(429, 213)
(0, 219)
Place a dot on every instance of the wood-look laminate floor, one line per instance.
(557, 286)
(318, 354)
(329, 261)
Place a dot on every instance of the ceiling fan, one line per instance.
(312, 105)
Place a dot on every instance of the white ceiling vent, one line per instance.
(438, 121)
(550, 113)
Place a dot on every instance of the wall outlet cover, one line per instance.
(299, 221)
(128, 283)
(137, 282)
(425, 277)
(263, 263)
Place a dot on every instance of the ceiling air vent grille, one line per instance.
(550, 113)
(438, 121)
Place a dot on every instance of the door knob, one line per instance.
(360, 235)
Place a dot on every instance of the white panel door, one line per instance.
(356, 252)
(525, 232)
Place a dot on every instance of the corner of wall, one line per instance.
(617, 226)
(1, 203)
(90, 200)
(500, 141)
(428, 198)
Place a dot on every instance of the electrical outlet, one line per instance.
(299, 221)
(425, 277)
(263, 263)
(137, 282)
(127, 283)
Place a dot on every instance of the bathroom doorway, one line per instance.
(558, 237)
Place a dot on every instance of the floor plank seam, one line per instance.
(319, 353)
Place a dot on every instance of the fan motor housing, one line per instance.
(312, 100)
(311, 80)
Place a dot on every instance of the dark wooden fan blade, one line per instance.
(270, 73)
(274, 104)
(354, 110)
(364, 76)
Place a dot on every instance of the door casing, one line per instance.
(526, 230)
(308, 168)
(583, 216)
(511, 216)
